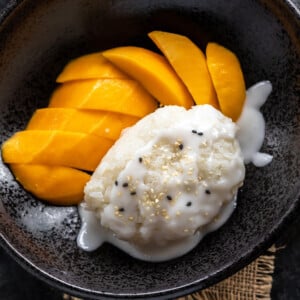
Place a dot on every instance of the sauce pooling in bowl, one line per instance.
(251, 124)
(92, 235)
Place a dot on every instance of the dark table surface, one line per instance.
(17, 284)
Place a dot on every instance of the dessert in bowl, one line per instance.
(46, 235)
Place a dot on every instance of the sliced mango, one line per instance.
(55, 184)
(228, 79)
(189, 63)
(100, 123)
(153, 72)
(90, 66)
(115, 95)
(62, 148)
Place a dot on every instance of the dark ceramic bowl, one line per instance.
(37, 38)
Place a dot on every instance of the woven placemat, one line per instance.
(252, 282)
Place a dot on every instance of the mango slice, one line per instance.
(153, 72)
(90, 66)
(62, 148)
(115, 95)
(55, 184)
(100, 123)
(228, 79)
(189, 63)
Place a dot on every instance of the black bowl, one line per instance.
(37, 38)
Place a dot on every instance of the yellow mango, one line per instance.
(189, 63)
(153, 72)
(55, 184)
(115, 95)
(228, 79)
(89, 66)
(100, 123)
(62, 148)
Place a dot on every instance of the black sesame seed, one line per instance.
(207, 192)
(200, 133)
(125, 184)
(133, 193)
(194, 131)
(121, 209)
(189, 203)
(116, 183)
(169, 197)
(180, 146)
(140, 159)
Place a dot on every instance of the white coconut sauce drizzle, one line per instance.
(251, 124)
(92, 235)
(250, 136)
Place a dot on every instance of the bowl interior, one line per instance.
(40, 37)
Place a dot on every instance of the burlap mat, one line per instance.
(252, 282)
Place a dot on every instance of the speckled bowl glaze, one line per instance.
(37, 38)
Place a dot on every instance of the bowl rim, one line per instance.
(253, 252)
(8, 8)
